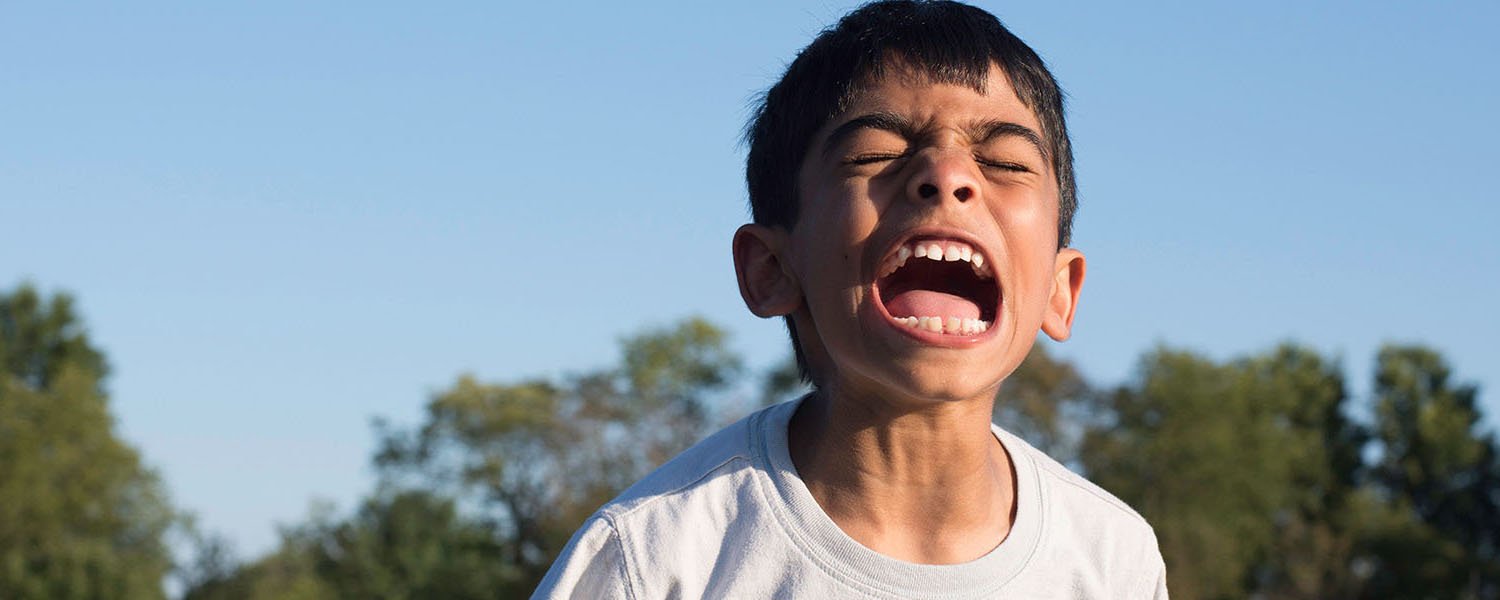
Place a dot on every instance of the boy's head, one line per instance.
(911, 127)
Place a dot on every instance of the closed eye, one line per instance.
(1002, 165)
(867, 159)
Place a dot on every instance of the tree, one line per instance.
(782, 382)
(288, 573)
(1300, 399)
(480, 498)
(543, 455)
(1260, 485)
(1178, 447)
(1437, 466)
(80, 516)
(414, 544)
(1046, 402)
(211, 560)
(1243, 469)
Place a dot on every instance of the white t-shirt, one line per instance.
(730, 518)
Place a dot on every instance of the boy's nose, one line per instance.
(943, 175)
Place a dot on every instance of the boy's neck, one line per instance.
(930, 485)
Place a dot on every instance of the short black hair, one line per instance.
(948, 42)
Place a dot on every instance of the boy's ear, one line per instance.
(1067, 282)
(766, 284)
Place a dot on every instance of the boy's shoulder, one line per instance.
(674, 528)
(721, 460)
(1085, 524)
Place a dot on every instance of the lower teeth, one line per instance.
(951, 325)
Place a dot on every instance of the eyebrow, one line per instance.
(899, 125)
(995, 129)
(883, 121)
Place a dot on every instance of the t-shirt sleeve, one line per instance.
(1154, 578)
(591, 566)
(1158, 590)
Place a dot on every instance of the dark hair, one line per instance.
(946, 41)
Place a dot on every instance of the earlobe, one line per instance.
(768, 288)
(1067, 282)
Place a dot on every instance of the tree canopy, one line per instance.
(80, 515)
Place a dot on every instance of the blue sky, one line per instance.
(283, 219)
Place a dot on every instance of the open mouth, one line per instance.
(940, 286)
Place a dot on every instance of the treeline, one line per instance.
(1258, 479)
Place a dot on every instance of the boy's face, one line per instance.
(913, 170)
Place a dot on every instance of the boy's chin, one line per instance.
(920, 374)
(932, 385)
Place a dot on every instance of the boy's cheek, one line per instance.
(831, 239)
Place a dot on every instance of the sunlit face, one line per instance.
(913, 170)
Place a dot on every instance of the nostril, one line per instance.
(927, 190)
(963, 194)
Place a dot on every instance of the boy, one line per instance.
(912, 191)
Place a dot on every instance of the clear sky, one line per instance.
(282, 219)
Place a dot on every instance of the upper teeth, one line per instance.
(944, 250)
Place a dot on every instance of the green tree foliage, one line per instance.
(542, 455)
(535, 457)
(288, 573)
(1187, 449)
(1046, 402)
(414, 544)
(80, 516)
(1254, 476)
(782, 382)
(666, 386)
(1296, 400)
(410, 544)
(1241, 468)
(1438, 467)
(1256, 481)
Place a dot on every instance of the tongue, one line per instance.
(928, 303)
